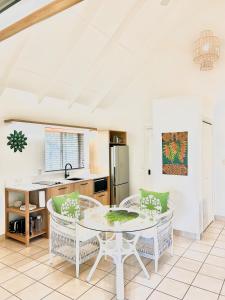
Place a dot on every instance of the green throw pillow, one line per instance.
(67, 205)
(162, 197)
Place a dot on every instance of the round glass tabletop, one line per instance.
(107, 219)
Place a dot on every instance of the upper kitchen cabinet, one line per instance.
(118, 137)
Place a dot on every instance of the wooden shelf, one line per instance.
(35, 234)
(37, 210)
(29, 197)
(119, 144)
(48, 123)
(122, 135)
(17, 236)
(22, 238)
(17, 211)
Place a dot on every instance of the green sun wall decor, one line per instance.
(17, 141)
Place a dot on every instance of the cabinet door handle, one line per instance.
(84, 183)
(62, 188)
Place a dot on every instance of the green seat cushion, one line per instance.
(67, 205)
(152, 200)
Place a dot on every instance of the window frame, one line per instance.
(61, 131)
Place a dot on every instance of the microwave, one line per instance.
(100, 185)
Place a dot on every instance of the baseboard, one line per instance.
(2, 237)
(220, 218)
(188, 235)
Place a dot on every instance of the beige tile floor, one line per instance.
(195, 272)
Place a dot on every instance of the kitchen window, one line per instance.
(63, 147)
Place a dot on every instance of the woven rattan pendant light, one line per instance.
(206, 50)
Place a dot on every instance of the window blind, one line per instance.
(62, 148)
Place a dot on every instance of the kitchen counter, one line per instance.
(29, 187)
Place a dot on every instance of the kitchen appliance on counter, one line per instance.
(119, 171)
(17, 226)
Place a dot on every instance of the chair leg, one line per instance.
(51, 256)
(156, 264)
(142, 265)
(94, 266)
(77, 258)
(156, 252)
(171, 247)
(77, 270)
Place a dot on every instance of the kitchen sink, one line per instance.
(74, 179)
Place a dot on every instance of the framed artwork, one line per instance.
(175, 153)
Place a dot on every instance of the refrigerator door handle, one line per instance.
(114, 195)
(114, 175)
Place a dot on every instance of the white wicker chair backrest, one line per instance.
(85, 202)
(165, 219)
(131, 202)
(134, 202)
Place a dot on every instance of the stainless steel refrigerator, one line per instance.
(119, 169)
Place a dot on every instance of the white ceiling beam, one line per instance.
(144, 60)
(89, 13)
(2, 89)
(12, 62)
(119, 86)
(111, 43)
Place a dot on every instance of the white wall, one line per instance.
(219, 156)
(30, 165)
(127, 115)
(137, 118)
(177, 115)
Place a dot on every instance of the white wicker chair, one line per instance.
(150, 245)
(68, 239)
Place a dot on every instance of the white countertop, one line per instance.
(29, 187)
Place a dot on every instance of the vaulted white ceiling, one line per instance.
(102, 51)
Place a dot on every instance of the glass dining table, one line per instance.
(118, 231)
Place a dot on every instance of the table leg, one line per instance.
(119, 268)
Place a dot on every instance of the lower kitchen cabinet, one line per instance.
(85, 187)
(102, 197)
(60, 190)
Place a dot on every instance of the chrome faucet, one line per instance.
(67, 174)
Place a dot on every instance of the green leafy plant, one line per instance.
(120, 216)
(17, 141)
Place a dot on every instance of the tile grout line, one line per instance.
(202, 265)
(56, 289)
(172, 268)
(224, 279)
(188, 248)
(107, 273)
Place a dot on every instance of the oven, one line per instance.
(100, 185)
